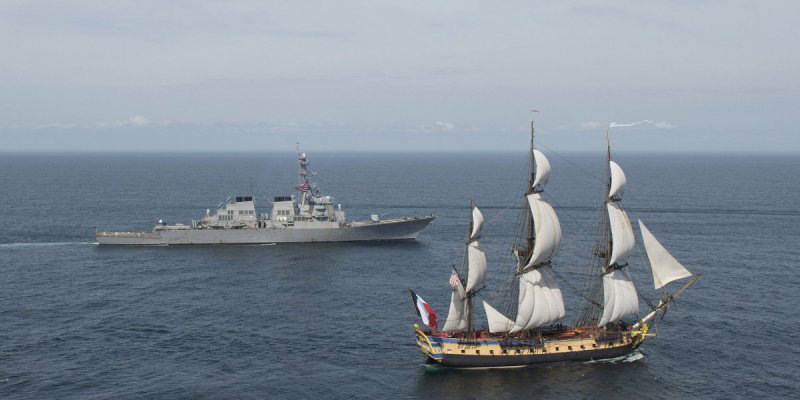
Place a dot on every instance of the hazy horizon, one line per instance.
(212, 76)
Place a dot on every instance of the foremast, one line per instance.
(610, 294)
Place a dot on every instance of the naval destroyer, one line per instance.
(308, 217)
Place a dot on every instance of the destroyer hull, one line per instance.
(401, 229)
(491, 353)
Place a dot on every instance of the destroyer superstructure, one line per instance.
(524, 326)
(309, 217)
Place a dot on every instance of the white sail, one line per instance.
(547, 229)
(617, 181)
(542, 168)
(477, 223)
(665, 267)
(619, 297)
(548, 305)
(476, 260)
(540, 300)
(526, 300)
(498, 323)
(622, 238)
(457, 316)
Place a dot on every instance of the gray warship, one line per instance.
(308, 217)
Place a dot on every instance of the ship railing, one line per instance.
(129, 234)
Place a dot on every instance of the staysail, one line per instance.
(665, 267)
(456, 317)
(498, 323)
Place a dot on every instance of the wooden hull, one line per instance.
(498, 353)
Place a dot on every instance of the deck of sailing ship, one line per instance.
(609, 323)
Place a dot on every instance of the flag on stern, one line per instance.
(424, 311)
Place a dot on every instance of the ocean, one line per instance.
(334, 321)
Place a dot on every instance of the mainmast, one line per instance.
(539, 300)
(531, 184)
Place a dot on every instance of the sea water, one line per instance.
(334, 320)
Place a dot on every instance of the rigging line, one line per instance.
(640, 193)
(510, 206)
(579, 291)
(586, 172)
(584, 227)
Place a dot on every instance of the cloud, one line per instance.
(445, 126)
(590, 125)
(136, 121)
(663, 125)
(658, 125)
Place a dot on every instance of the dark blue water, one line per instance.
(334, 320)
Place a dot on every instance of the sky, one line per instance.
(213, 75)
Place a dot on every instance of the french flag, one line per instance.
(424, 311)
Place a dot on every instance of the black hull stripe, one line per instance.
(476, 361)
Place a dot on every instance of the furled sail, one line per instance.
(477, 266)
(622, 238)
(498, 323)
(540, 301)
(477, 223)
(619, 297)
(665, 267)
(542, 168)
(547, 230)
(617, 181)
(457, 316)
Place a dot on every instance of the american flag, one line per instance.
(454, 280)
(303, 187)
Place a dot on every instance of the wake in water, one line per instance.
(42, 244)
(636, 355)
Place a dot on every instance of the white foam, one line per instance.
(636, 355)
(42, 244)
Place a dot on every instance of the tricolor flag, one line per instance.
(424, 311)
(303, 187)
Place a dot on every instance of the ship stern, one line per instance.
(428, 346)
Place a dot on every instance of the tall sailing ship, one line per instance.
(527, 330)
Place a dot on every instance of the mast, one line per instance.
(460, 315)
(532, 178)
(608, 190)
(539, 301)
(468, 301)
